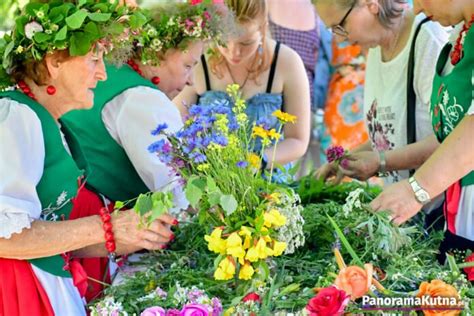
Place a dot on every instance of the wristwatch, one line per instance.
(421, 195)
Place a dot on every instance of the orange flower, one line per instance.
(438, 288)
(354, 280)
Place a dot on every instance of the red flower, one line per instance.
(195, 2)
(330, 301)
(252, 297)
(470, 271)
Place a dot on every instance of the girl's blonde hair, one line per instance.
(245, 11)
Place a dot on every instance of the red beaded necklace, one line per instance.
(26, 89)
(457, 54)
(155, 80)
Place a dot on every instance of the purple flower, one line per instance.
(195, 310)
(216, 306)
(173, 312)
(159, 129)
(334, 153)
(154, 311)
(198, 157)
(156, 146)
(159, 291)
(242, 164)
(264, 122)
(194, 295)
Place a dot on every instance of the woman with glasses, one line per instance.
(452, 114)
(387, 29)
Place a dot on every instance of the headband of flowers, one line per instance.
(176, 25)
(75, 25)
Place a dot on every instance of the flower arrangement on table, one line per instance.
(250, 219)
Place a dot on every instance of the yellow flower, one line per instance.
(203, 167)
(267, 238)
(273, 134)
(233, 141)
(284, 117)
(241, 119)
(274, 197)
(222, 123)
(239, 105)
(262, 250)
(274, 218)
(278, 248)
(258, 131)
(254, 160)
(230, 311)
(225, 270)
(234, 247)
(252, 254)
(150, 286)
(233, 89)
(214, 146)
(215, 242)
(246, 271)
(245, 232)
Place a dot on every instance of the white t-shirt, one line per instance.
(385, 92)
(129, 118)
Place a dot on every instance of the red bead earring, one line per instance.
(50, 90)
(156, 80)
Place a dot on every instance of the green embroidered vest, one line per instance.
(108, 168)
(58, 184)
(453, 93)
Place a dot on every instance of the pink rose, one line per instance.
(194, 310)
(173, 312)
(154, 311)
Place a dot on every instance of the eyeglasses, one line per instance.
(339, 28)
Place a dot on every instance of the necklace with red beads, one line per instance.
(458, 53)
(155, 80)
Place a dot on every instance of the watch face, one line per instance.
(422, 196)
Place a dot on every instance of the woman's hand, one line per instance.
(127, 230)
(361, 165)
(329, 170)
(400, 200)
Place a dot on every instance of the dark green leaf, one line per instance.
(6, 58)
(116, 28)
(61, 35)
(92, 29)
(20, 25)
(76, 20)
(80, 44)
(41, 37)
(99, 17)
(32, 7)
(143, 205)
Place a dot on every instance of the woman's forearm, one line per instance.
(362, 147)
(46, 238)
(288, 150)
(453, 159)
(99, 250)
(411, 156)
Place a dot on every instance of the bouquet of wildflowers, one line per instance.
(250, 219)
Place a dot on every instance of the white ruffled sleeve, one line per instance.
(130, 117)
(21, 167)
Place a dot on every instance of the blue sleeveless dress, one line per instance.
(259, 107)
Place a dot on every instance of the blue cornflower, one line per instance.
(242, 164)
(198, 157)
(233, 125)
(221, 109)
(219, 139)
(159, 129)
(196, 110)
(156, 146)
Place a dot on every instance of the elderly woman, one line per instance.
(390, 97)
(452, 112)
(114, 135)
(42, 192)
(271, 77)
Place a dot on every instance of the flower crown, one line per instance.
(175, 26)
(58, 25)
